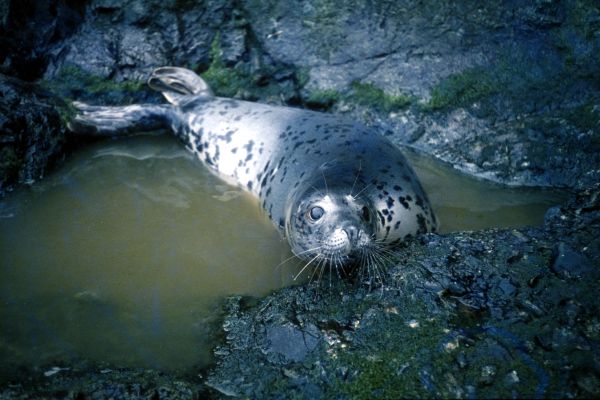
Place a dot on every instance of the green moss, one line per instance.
(370, 95)
(74, 83)
(393, 366)
(302, 76)
(66, 112)
(462, 90)
(223, 81)
(74, 78)
(242, 82)
(323, 99)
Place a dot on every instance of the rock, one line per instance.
(505, 91)
(488, 374)
(569, 264)
(522, 111)
(507, 354)
(512, 378)
(290, 342)
(32, 132)
(30, 29)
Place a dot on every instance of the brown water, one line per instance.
(122, 254)
(464, 203)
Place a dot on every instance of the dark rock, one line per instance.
(292, 343)
(29, 29)
(569, 263)
(32, 132)
(501, 352)
(488, 374)
(507, 91)
(82, 381)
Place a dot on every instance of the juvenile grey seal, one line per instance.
(338, 191)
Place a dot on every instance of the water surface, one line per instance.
(122, 255)
(463, 203)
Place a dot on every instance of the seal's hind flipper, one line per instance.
(112, 121)
(177, 83)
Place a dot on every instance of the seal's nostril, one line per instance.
(351, 232)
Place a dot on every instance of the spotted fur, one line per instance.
(292, 160)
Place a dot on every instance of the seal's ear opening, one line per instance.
(177, 83)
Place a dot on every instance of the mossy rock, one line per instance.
(363, 94)
(461, 90)
(74, 83)
(276, 83)
(367, 94)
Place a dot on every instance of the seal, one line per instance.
(340, 193)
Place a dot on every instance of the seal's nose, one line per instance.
(351, 232)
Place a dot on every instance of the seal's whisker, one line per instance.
(331, 266)
(365, 264)
(380, 277)
(297, 255)
(306, 218)
(316, 268)
(362, 190)
(339, 266)
(356, 178)
(374, 264)
(384, 250)
(305, 266)
(340, 270)
(383, 254)
(379, 262)
(325, 181)
(376, 269)
(370, 271)
(322, 270)
(326, 264)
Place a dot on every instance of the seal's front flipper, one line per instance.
(113, 121)
(177, 84)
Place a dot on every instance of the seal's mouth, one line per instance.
(365, 258)
(345, 244)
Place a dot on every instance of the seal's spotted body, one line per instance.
(333, 187)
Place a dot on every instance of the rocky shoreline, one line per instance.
(506, 92)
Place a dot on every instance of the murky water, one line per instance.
(122, 255)
(465, 203)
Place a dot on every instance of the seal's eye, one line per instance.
(316, 213)
(366, 216)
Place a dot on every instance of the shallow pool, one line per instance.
(123, 254)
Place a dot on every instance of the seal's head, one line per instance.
(330, 226)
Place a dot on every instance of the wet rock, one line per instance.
(440, 349)
(80, 379)
(32, 132)
(507, 92)
(290, 342)
(488, 374)
(29, 30)
(569, 263)
(512, 378)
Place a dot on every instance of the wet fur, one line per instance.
(291, 160)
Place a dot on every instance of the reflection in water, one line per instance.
(122, 254)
